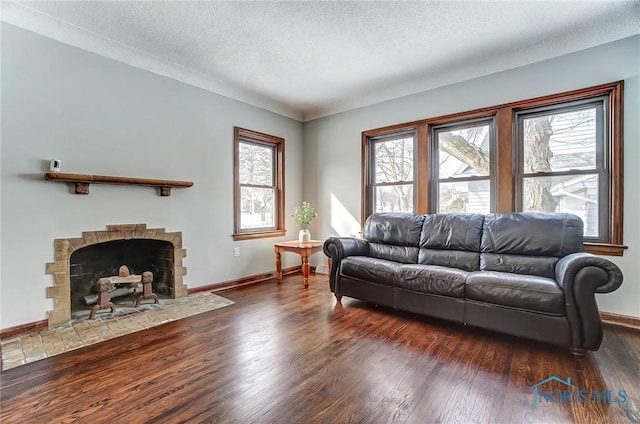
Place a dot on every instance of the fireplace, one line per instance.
(91, 263)
(81, 262)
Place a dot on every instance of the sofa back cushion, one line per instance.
(394, 236)
(451, 240)
(529, 242)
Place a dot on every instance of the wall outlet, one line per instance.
(236, 251)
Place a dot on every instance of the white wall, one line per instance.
(99, 116)
(333, 144)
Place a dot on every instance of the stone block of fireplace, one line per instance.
(64, 269)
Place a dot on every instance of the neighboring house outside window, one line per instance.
(258, 185)
(462, 170)
(558, 153)
(561, 163)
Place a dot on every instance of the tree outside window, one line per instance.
(259, 185)
(561, 163)
(393, 173)
(462, 180)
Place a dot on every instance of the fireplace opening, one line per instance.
(89, 264)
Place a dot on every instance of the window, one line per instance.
(558, 153)
(561, 163)
(462, 166)
(259, 185)
(392, 173)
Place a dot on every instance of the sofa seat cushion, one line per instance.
(432, 279)
(374, 270)
(527, 292)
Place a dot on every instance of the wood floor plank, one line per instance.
(285, 354)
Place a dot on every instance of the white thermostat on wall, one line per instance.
(54, 165)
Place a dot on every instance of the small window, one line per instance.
(259, 185)
(392, 173)
(462, 167)
(562, 165)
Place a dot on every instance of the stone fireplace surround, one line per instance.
(60, 292)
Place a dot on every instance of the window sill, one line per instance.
(605, 249)
(259, 235)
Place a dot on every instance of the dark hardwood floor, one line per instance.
(283, 354)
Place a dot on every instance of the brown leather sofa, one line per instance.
(523, 274)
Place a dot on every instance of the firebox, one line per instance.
(91, 263)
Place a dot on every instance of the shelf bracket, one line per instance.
(81, 188)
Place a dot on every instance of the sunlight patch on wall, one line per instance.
(342, 222)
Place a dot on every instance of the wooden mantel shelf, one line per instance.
(82, 182)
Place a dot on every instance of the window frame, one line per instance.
(371, 169)
(601, 154)
(506, 155)
(242, 135)
(434, 177)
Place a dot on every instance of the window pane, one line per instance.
(257, 207)
(576, 194)
(395, 198)
(394, 160)
(560, 141)
(467, 196)
(256, 164)
(464, 152)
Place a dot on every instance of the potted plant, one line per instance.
(304, 215)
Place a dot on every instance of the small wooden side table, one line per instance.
(305, 250)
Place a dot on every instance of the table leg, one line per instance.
(305, 270)
(278, 268)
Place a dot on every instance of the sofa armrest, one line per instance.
(568, 273)
(581, 276)
(338, 248)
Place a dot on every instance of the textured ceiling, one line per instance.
(308, 59)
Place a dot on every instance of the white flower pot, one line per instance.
(304, 235)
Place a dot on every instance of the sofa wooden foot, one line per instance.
(578, 352)
(338, 297)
